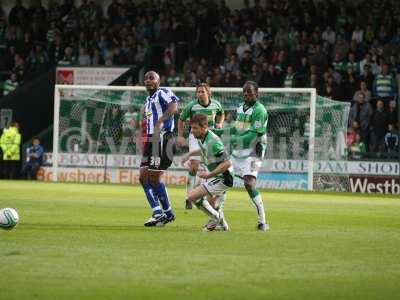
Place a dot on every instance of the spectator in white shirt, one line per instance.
(358, 35)
(243, 47)
(257, 36)
(329, 35)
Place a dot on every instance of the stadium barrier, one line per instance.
(364, 176)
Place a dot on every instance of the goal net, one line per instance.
(99, 127)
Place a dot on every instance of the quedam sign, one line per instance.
(375, 184)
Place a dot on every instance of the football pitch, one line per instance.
(87, 241)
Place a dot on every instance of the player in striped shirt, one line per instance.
(248, 141)
(209, 107)
(158, 150)
(219, 175)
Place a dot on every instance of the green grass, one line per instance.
(77, 241)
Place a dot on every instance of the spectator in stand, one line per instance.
(361, 111)
(38, 59)
(351, 133)
(255, 74)
(34, 159)
(329, 36)
(367, 61)
(173, 78)
(393, 116)
(10, 84)
(83, 58)
(232, 65)
(338, 64)
(363, 89)
(19, 67)
(358, 35)
(378, 126)
(357, 149)
(352, 64)
(68, 58)
(384, 84)
(367, 77)
(392, 141)
(349, 85)
(290, 80)
(246, 63)
(18, 14)
(242, 47)
(193, 80)
(303, 71)
(257, 36)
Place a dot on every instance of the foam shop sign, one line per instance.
(269, 165)
(366, 177)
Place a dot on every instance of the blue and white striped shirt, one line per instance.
(156, 106)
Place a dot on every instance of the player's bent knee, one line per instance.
(197, 193)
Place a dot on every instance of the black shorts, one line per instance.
(158, 152)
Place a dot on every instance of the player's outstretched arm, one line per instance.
(190, 154)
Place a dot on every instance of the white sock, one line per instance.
(219, 204)
(258, 204)
(208, 209)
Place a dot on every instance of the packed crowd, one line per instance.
(348, 52)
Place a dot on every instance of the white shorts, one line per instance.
(246, 166)
(193, 145)
(215, 186)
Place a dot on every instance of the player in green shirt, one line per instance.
(219, 174)
(215, 117)
(248, 142)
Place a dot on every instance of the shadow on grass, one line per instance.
(49, 226)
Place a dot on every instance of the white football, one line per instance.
(8, 218)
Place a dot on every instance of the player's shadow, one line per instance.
(89, 227)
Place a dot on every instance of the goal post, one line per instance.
(302, 126)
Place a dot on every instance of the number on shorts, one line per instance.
(155, 161)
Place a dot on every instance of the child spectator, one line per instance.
(357, 149)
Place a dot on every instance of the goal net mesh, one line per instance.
(108, 122)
